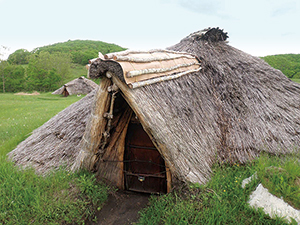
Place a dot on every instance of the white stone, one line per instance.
(272, 205)
(248, 180)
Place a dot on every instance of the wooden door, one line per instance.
(145, 169)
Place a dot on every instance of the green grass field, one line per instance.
(26, 198)
(222, 200)
(76, 71)
(20, 115)
(66, 198)
(296, 80)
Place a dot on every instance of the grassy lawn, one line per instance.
(26, 198)
(20, 115)
(76, 71)
(67, 198)
(296, 80)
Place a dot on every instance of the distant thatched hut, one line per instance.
(80, 85)
(149, 126)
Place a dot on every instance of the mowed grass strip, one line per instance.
(296, 80)
(26, 198)
(21, 114)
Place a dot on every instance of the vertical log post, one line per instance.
(95, 128)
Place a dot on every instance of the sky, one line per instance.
(258, 27)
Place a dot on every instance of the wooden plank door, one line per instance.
(145, 169)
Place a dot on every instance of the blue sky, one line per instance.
(258, 27)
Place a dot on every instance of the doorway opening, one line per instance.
(144, 168)
(65, 92)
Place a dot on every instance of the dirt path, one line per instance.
(121, 208)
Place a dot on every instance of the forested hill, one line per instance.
(289, 64)
(81, 50)
(47, 68)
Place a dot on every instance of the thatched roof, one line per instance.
(55, 143)
(232, 109)
(80, 85)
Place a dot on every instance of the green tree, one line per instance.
(289, 64)
(46, 71)
(3, 49)
(81, 50)
(3, 77)
(13, 77)
(19, 57)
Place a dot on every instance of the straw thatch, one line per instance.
(80, 85)
(230, 111)
(55, 143)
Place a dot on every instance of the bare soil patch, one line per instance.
(121, 208)
(24, 93)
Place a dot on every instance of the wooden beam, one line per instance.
(169, 178)
(96, 125)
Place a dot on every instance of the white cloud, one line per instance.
(201, 6)
(284, 8)
(206, 7)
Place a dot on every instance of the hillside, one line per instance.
(47, 68)
(81, 50)
(289, 64)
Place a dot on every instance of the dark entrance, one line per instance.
(145, 169)
(65, 93)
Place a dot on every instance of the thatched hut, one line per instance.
(80, 85)
(228, 110)
(159, 116)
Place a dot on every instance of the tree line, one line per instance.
(45, 68)
(81, 50)
(288, 64)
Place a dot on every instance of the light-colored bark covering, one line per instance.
(153, 66)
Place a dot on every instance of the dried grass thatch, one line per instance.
(80, 85)
(230, 111)
(55, 143)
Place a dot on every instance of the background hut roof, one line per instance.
(56, 142)
(79, 85)
(232, 109)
